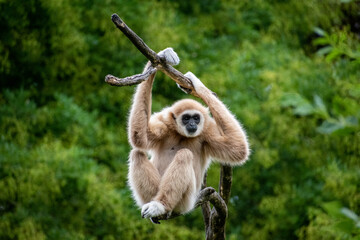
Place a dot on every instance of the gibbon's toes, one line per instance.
(154, 220)
(170, 56)
(152, 209)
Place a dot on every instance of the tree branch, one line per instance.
(206, 195)
(132, 80)
(225, 182)
(135, 39)
(158, 62)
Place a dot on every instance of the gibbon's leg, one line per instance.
(144, 178)
(177, 187)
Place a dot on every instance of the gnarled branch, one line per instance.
(132, 80)
(158, 62)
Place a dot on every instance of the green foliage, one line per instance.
(289, 70)
(338, 44)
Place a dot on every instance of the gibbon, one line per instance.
(181, 141)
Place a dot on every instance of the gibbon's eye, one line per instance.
(186, 118)
(196, 118)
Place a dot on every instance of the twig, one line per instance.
(128, 81)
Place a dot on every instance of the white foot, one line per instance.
(152, 209)
(170, 56)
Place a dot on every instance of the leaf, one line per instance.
(291, 100)
(319, 31)
(351, 121)
(329, 126)
(334, 54)
(341, 126)
(301, 105)
(350, 214)
(325, 50)
(320, 107)
(304, 109)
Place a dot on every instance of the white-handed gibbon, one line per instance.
(181, 141)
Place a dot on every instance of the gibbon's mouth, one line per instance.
(191, 131)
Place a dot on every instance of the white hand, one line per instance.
(195, 81)
(170, 56)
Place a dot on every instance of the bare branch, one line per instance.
(206, 195)
(158, 62)
(225, 182)
(135, 39)
(205, 207)
(132, 80)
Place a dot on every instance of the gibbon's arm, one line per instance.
(227, 142)
(142, 131)
(140, 113)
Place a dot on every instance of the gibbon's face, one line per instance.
(190, 123)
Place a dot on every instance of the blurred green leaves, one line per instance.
(340, 43)
(303, 107)
(344, 220)
(288, 69)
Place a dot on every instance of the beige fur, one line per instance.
(171, 179)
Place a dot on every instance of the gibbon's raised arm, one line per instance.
(141, 132)
(228, 143)
(140, 113)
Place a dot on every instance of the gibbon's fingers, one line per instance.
(195, 81)
(170, 56)
(185, 90)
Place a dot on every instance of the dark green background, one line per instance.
(288, 69)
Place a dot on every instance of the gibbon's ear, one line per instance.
(173, 116)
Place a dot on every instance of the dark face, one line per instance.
(191, 122)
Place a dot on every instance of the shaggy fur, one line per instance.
(171, 179)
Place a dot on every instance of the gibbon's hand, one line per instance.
(198, 85)
(170, 56)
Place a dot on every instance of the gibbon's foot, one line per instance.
(152, 209)
(170, 56)
(154, 220)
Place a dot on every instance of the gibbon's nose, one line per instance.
(191, 127)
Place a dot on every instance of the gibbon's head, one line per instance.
(189, 116)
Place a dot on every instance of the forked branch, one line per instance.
(158, 62)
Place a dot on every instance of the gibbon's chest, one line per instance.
(172, 146)
(165, 153)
